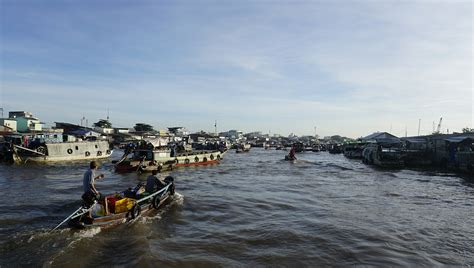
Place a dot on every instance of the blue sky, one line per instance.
(344, 67)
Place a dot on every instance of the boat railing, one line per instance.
(160, 192)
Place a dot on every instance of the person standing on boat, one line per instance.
(153, 183)
(90, 192)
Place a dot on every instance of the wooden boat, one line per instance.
(120, 208)
(143, 166)
(353, 150)
(243, 148)
(385, 155)
(148, 159)
(62, 151)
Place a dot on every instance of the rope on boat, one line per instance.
(74, 215)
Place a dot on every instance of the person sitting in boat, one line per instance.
(292, 153)
(90, 192)
(153, 183)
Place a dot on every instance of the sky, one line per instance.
(340, 67)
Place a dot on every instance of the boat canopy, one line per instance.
(415, 140)
(459, 139)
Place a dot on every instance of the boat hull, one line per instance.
(168, 163)
(67, 151)
(112, 220)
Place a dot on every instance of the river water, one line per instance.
(252, 209)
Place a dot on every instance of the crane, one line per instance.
(439, 125)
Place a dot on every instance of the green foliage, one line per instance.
(143, 127)
(467, 130)
(102, 123)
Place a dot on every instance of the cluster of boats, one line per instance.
(141, 156)
(448, 151)
(453, 151)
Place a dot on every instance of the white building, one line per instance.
(104, 130)
(9, 123)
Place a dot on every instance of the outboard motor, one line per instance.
(169, 180)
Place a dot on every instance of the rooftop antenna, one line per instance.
(107, 114)
(215, 127)
(419, 123)
(438, 130)
(406, 131)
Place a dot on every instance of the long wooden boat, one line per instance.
(62, 151)
(146, 160)
(115, 209)
(383, 155)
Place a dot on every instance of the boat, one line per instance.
(147, 158)
(266, 146)
(385, 155)
(243, 148)
(457, 153)
(143, 166)
(299, 147)
(43, 152)
(289, 158)
(120, 208)
(335, 149)
(353, 150)
(418, 152)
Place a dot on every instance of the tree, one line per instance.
(102, 123)
(467, 130)
(143, 127)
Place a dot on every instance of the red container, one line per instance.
(111, 203)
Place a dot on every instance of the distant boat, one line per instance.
(388, 155)
(299, 147)
(353, 150)
(335, 149)
(148, 158)
(243, 148)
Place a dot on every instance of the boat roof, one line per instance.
(459, 139)
(415, 140)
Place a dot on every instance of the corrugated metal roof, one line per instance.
(379, 135)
